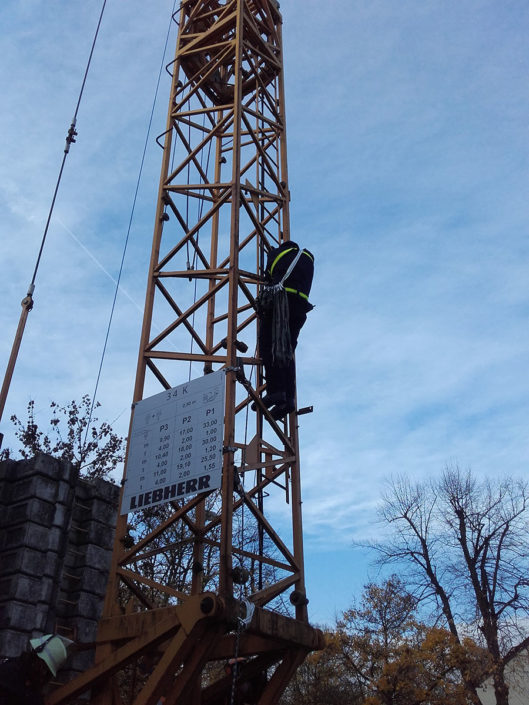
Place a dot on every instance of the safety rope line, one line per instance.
(27, 302)
(202, 191)
(140, 172)
(188, 179)
(235, 672)
(240, 622)
(243, 454)
(188, 262)
(70, 138)
(200, 210)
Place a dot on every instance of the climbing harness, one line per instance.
(266, 297)
(285, 252)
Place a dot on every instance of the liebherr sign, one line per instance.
(176, 440)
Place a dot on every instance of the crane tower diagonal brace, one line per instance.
(209, 578)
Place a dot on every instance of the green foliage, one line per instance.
(74, 436)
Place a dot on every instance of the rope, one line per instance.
(94, 396)
(70, 138)
(235, 677)
(199, 216)
(282, 351)
(241, 623)
(200, 209)
(188, 178)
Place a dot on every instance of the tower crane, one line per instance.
(228, 622)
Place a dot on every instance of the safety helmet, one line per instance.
(52, 650)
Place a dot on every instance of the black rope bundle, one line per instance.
(282, 352)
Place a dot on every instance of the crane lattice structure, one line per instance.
(220, 575)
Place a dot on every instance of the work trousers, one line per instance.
(282, 378)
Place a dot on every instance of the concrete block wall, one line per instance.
(56, 537)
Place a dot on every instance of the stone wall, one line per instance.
(56, 537)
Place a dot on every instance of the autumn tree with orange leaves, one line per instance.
(381, 653)
(462, 546)
(399, 660)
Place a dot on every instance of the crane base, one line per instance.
(197, 653)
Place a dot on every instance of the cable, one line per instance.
(27, 302)
(70, 138)
(130, 223)
(191, 265)
(250, 606)
(199, 216)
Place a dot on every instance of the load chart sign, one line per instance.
(175, 447)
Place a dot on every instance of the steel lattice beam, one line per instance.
(223, 202)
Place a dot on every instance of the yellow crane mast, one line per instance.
(213, 581)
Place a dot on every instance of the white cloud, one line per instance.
(407, 128)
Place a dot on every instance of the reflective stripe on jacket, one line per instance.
(299, 281)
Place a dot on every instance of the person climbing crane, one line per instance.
(282, 307)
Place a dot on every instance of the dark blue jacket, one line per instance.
(299, 281)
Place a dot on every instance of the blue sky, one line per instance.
(408, 168)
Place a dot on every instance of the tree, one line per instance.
(170, 560)
(74, 436)
(465, 549)
(429, 672)
(371, 632)
(381, 653)
(396, 659)
(323, 678)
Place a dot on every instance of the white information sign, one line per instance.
(176, 441)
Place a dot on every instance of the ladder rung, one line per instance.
(62, 628)
(75, 552)
(71, 576)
